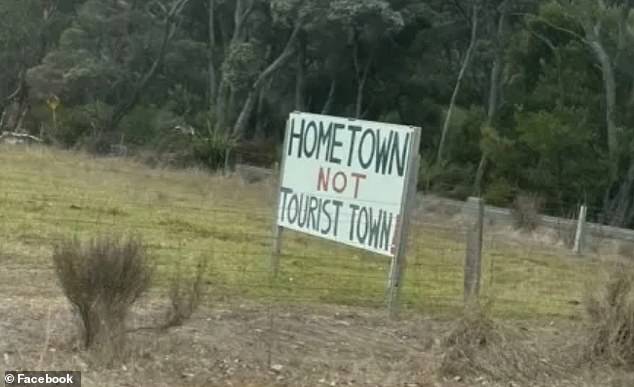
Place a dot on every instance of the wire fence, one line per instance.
(520, 279)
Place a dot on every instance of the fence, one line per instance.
(187, 215)
(521, 279)
(504, 216)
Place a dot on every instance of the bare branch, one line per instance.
(247, 12)
(462, 11)
(17, 91)
(355, 58)
(281, 60)
(552, 25)
(543, 38)
(465, 64)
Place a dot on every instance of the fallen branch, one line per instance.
(18, 136)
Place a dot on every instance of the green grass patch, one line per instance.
(182, 215)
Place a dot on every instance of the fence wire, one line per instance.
(518, 279)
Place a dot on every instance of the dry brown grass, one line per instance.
(610, 313)
(185, 293)
(102, 278)
(481, 348)
(526, 211)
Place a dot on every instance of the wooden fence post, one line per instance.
(580, 233)
(473, 258)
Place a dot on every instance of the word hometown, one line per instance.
(344, 180)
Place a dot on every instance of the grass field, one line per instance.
(48, 194)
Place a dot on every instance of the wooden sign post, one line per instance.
(277, 229)
(398, 264)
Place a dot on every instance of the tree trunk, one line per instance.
(168, 32)
(331, 97)
(231, 106)
(221, 105)
(620, 209)
(465, 64)
(240, 15)
(362, 76)
(24, 109)
(609, 86)
(496, 71)
(614, 207)
(240, 126)
(560, 83)
(210, 55)
(494, 90)
(359, 103)
(301, 74)
(259, 125)
(14, 105)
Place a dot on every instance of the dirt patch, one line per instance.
(230, 345)
(257, 345)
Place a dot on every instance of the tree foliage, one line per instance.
(544, 105)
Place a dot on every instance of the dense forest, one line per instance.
(522, 96)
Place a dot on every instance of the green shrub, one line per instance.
(211, 146)
(446, 179)
(144, 125)
(499, 193)
(80, 125)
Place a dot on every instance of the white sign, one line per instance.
(345, 180)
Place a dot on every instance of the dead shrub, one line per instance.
(473, 332)
(566, 231)
(610, 313)
(479, 347)
(102, 278)
(185, 294)
(526, 211)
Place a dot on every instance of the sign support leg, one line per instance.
(397, 267)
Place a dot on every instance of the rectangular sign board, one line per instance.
(345, 180)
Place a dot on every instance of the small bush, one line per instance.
(472, 333)
(102, 279)
(610, 313)
(567, 230)
(81, 125)
(479, 347)
(499, 193)
(213, 149)
(526, 211)
(185, 294)
(445, 179)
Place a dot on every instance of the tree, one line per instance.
(368, 25)
(101, 57)
(28, 20)
(463, 68)
(592, 20)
